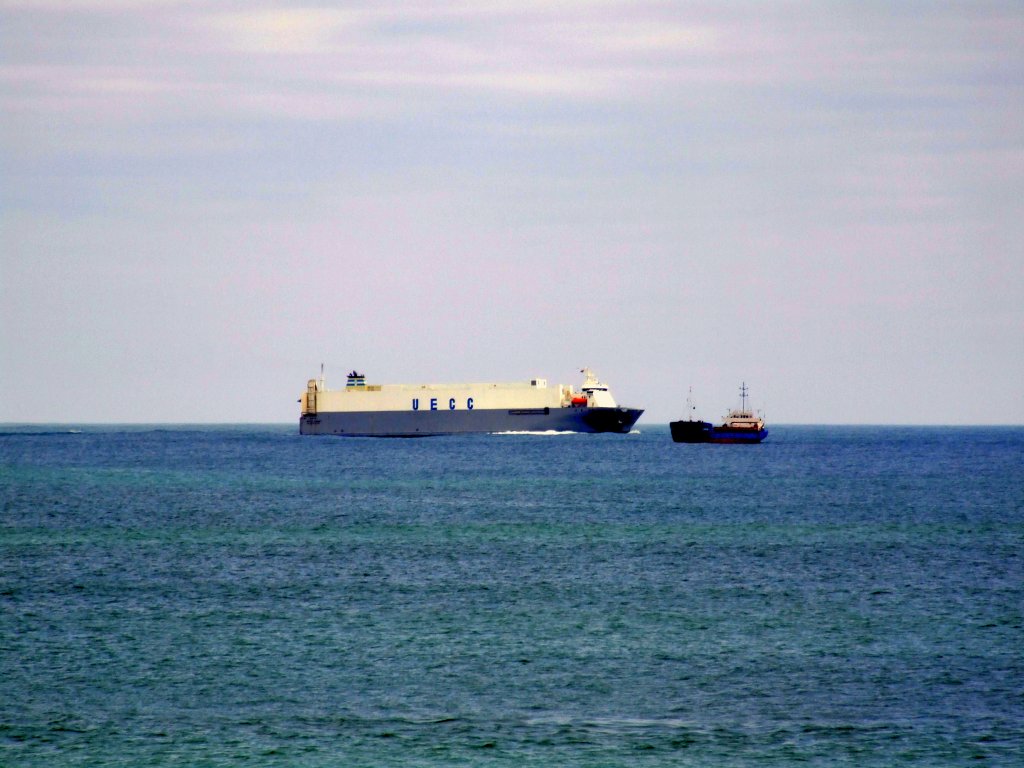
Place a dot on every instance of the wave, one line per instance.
(39, 433)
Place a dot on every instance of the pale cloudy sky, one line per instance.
(200, 202)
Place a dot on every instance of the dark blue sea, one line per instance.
(243, 596)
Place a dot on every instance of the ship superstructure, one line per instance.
(414, 410)
(741, 424)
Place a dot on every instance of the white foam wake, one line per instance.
(544, 432)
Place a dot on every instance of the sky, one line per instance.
(202, 202)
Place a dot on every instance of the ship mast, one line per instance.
(743, 395)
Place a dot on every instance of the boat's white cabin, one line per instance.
(597, 393)
(743, 417)
(743, 420)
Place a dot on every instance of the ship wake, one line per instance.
(543, 433)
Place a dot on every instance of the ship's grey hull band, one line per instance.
(427, 423)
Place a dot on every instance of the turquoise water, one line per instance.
(243, 596)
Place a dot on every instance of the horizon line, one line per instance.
(7, 424)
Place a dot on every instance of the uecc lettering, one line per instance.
(451, 404)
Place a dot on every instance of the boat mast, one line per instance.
(743, 395)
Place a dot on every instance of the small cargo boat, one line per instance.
(740, 426)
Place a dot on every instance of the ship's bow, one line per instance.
(620, 419)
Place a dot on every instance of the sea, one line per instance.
(243, 596)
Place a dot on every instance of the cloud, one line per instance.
(310, 63)
(291, 31)
(504, 49)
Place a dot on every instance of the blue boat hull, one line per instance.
(430, 423)
(704, 432)
(726, 435)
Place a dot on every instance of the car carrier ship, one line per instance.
(420, 410)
